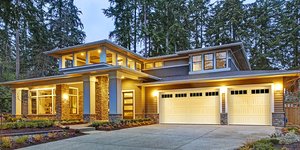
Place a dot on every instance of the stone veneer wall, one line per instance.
(114, 117)
(102, 98)
(24, 104)
(224, 119)
(278, 119)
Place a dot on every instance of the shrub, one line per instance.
(52, 135)
(38, 137)
(263, 146)
(288, 138)
(99, 123)
(6, 142)
(22, 139)
(27, 124)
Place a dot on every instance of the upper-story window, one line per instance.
(130, 63)
(68, 61)
(138, 66)
(221, 59)
(94, 56)
(110, 58)
(121, 60)
(80, 59)
(154, 65)
(197, 63)
(208, 61)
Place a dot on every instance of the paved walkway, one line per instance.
(182, 137)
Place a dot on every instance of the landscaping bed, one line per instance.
(14, 142)
(285, 138)
(121, 124)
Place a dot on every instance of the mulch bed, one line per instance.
(70, 134)
(118, 127)
(11, 131)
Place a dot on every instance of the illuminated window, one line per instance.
(130, 63)
(149, 65)
(67, 61)
(42, 101)
(110, 58)
(121, 60)
(209, 61)
(73, 99)
(221, 59)
(158, 64)
(197, 63)
(94, 56)
(138, 66)
(80, 59)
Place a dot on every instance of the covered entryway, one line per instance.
(196, 106)
(249, 106)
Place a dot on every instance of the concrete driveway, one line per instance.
(164, 137)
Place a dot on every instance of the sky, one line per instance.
(96, 25)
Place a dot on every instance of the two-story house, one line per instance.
(102, 80)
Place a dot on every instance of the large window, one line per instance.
(67, 61)
(221, 60)
(73, 98)
(208, 61)
(80, 59)
(42, 101)
(138, 66)
(149, 65)
(94, 56)
(121, 60)
(158, 64)
(130, 63)
(197, 63)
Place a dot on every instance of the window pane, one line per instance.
(94, 56)
(197, 58)
(208, 61)
(73, 91)
(197, 66)
(33, 93)
(45, 105)
(130, 63)
(110, 58)
(221, 60)
(80, 59)
(121, 60)
(73, 104)
(33, 106)
(149, 65)
(138, 66)
(45, 92)
(158, 64)
(68, 60)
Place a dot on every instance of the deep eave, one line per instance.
(223, 76)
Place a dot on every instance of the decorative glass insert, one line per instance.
(208, 61)
(197, 63)
(221, 60)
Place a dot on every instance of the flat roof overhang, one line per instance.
(224, 78)
(78, 76)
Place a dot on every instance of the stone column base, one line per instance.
(89, 117)
(224, 118)
(155, 117)
(115, 117)
(278, 119)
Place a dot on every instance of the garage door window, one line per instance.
(166, 96)
(238, 92)
(260, 91)
(195, 94)
(181, 95)
(211, 93)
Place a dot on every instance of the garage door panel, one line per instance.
(249, 108)
(190, 110)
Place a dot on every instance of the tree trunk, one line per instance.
(17, 48)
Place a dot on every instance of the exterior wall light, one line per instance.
(155, 93)
(65, 97)
(223, 89)
(278, 87)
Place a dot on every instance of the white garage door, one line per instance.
(190, 107)
(249, 106)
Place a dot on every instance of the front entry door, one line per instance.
(128, 105)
